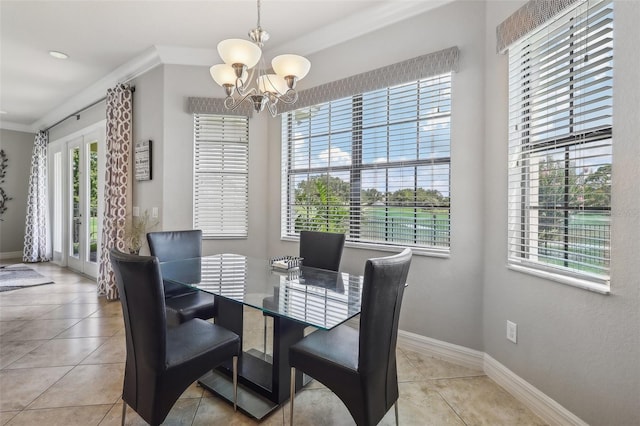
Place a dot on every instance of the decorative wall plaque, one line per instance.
(143, 160)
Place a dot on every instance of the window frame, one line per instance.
(526, 154)
(356, 168)
(232, 173)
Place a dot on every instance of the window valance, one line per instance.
(216, 106)
(428, 65)
(530, 16)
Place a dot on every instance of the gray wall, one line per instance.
(84, 119)
(580, 348)
(444, 297)
(19, 147)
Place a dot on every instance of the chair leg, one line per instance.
(292, 394)
(124, 411)
(235, 383)
(396, 409)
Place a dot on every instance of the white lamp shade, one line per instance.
(286, 65)
(272, 83)
(224, 74)
(238, 51)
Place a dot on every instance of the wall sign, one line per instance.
(143, 160)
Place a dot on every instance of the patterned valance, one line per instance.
(530, 16)
(216, 106)
(403, 72)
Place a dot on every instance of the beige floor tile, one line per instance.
(66, 416)
(406, 370)
(112, 351)
(480, 401)
(214, 411)
(13, 351)
(29, 297)
(84, 385)
(39, 329)
(318, 407)
(94, 327)
(193, 391)
(433, 368)
(108, 309)
(10, 325)
(21, 313)
(5, 416)
(419, 405)
(72, 310)
(20, 387)
(59, 352)
(182, 414)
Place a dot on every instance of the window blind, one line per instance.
(221, 175)
(375, 166)
(560, 144)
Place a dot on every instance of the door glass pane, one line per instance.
(75, 202)
(57, 202)
(93, 201)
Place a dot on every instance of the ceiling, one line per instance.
(113, 41)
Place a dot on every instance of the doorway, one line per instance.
(77, 170)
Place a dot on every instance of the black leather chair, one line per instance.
(322, 250)
(162, 362)
(360, 366)
(183, 304)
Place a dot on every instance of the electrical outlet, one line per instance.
(136, 211)
(512, 331)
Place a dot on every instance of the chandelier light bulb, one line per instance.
(225, 74)
(272, 83)
(239, 51)
(291, 65)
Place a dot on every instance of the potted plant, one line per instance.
(136, 230)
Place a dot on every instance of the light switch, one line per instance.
(136, 211)
(154, 212)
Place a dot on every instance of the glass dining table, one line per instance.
(296, 299)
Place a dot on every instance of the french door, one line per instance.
(77, 170)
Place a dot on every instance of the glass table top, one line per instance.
(315, 297)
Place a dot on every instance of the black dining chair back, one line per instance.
(360, 366)
(175, 245)
(183, 303)
(161, 363)
(321, 250)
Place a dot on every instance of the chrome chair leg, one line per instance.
(292, 394)
(124, 411)
(235, 383)
(396, 409)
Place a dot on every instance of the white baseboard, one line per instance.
(11, 255)
(442, 350)
(546, 408)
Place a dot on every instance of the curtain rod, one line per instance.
(77, 113)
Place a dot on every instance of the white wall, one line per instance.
(580, 348)
(18, 146)
(444, 297)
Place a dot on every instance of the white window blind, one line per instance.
(374, 166)
(560, 144)
(221, 175)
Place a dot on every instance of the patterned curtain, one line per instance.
(117, 195)
(36, 226)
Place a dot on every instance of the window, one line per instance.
(374, 165)
(560, 145)
(221, 175)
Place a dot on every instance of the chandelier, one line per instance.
(237, 74)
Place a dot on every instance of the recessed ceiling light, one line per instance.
(58, 55)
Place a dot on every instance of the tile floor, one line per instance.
(62, 354)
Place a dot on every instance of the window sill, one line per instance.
(443, 254)
(563, 279)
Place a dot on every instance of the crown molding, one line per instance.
(350, 27)
(356, 25)
(17, 127)
(148, 59)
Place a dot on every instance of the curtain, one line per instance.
(36, 226)
(117, 194)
